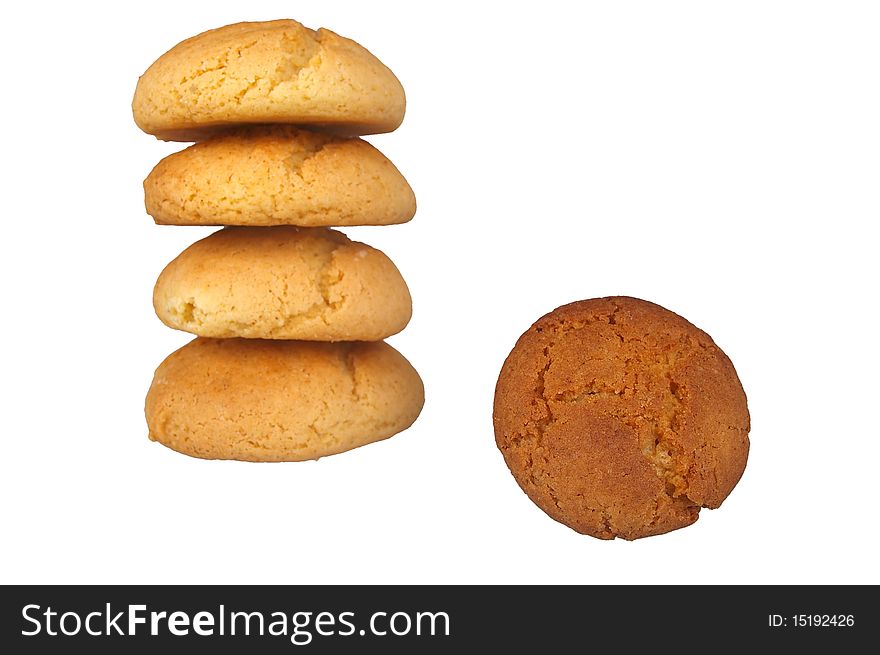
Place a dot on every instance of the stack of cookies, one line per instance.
(289, 362)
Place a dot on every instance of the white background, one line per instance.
(721, 159)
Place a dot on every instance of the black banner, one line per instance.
(290, 619)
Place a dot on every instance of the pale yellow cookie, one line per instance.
(271, 72)
(278, 176)
(283, 283)
(280, 401)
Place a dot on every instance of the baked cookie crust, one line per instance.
(619, 418)
(267, 72)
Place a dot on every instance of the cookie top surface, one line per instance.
(619, 418)
(278, 176)
(283, 283)
(268, 72)
(272, 401)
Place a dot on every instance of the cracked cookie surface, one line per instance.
(283, 283)
(619, 418)
(267, 72)
(278, 176)
(275, 401)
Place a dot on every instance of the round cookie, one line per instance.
(280, 401)
(619, 418)
(270, 72)
(278, 176)
(283, 283)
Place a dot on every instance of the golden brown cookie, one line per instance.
(280, 401)
(278, 176)
(283, 283)
(271, 72)
(619, 418)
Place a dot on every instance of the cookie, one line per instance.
(270, 72)
(619, 418)
(278, 176)
(280, 401)
(283, 283)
